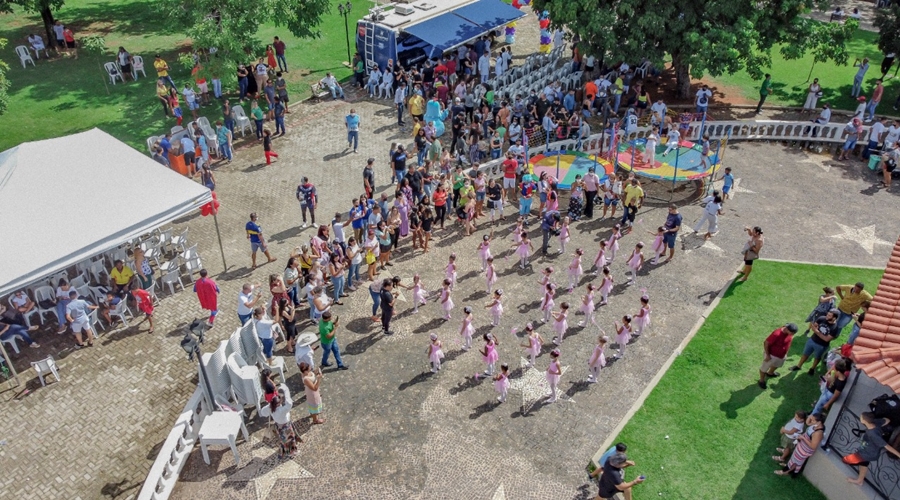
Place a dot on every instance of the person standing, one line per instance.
(824, 332)
(860, 75)
(162, 69)
(764, 92)
(247, 301)
(751, 250)
(257, 240)
(327, 340)
(351, 121)
(224, 139)
(672, 226)
(308, 198)
(775, 349)
(278, 110)
(634, 198)
(852, 298)
(208, 293)
(399, 100)
(387, 305)
(813, 92)
(549, 226)
(279, 47)
(591, 188)
(703, 96)
(312, 380)
(877, 93)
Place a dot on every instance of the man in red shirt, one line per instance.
(775, 348)
(510, 165)
(279, 47)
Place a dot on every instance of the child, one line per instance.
(450, 270)
(659, 246)
(267, 147)
(496, 307)
(597, 359)
(484, 249)
(635, 262)
(176, 108)
(606, 286)
(501, 382)
(545, 278)
(489, 354)
(547, 302)
(418, 294)
(575, 270)
(870, 446)
(600, 261)
(623, 335)
(467, 329)
(560, 323)
(435, 354)
(490, 274)
(587, 305)
(533, 347)
(517, 232)
(789, 433)
(642, 318)
(446, 301)
(523, 250)
(612, 244)
(553, 374)
(145, 304)
(826, 303)
(564, 235)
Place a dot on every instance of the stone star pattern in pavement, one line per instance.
(265, 468)
(865, 236)
(533, 386)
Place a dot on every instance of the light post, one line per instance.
(344, 10)
(191, 346)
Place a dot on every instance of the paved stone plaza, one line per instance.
(393, 429)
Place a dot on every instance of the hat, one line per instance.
(618, 460)
(306, 338)
(861, 98)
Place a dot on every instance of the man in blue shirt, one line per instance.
(549, 225)
(729, 182)
(165, 144)
(352, 124)
(278, 109)
(672, 226)
(257, 241)
(308, 198)
(569, 101)
(189, 150)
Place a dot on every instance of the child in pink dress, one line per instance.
(547, 302)
(612, 244)
(575, 270)
(523, 248)
(623, 335)
(597, 359)
(496, 307)
(484, 249)
(553, 373)
(561, 323)
(642, 318)
(659, 246)
(545, 278)
(489, 354)
(418, 294)
(450, 270)
(635, 262)
(501, 382)
(446, 301)
(605, 286)
(600, 261)
(587, 305)
(490, 274)
(564, 235)
(533, 347)
(467, 329)
(435, 354)
(517, 232)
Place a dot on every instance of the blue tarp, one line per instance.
(465, 23)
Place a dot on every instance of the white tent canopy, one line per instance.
(64, 200)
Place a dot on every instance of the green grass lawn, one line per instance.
(722, 429)
(64, 95)
(790, 83)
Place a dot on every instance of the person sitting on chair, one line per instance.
(37, 45)
(121, 276)
(331, 83)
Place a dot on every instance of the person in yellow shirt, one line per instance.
(634, 198)
(162, 71)
(121, 276)
(417, 105)
(852, 298)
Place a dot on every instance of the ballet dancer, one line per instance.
(561, 323)
(642, 318)
(547, 302)
(623, 335)
(553, 374)
(467, 329)
(501, 382)
(446, 301)
(605, 286)
(545, 277)
(489, 354)
(535, 342)
(490, 274)
(450, 270)
(575, 270)
(587, 306)
(659, 246)
(435, 354)
(418, 294)
(484, 249)
(612, 244)
(519, 229)
(600, 261)
(496, 307)
(564, 235)
(524, 248)
(597, 359)
(635, 262)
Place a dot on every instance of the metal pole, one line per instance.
(675, 175)
(212, 397)
(347, 31)
(219, 236)
(703, 125)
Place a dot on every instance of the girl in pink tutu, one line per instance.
(545, 278)
(575, 270)
(489, 354)
(553, 373)
(534, 344)
(496, 307)
(623, 335)
(564, 235)
(605, 286)
(561, 323)
(517, 232)
(418, 294)
(597, 359)
(490, 274)
(501, 382)
(523, 248)
(467, 329)
(600, 261)
(450, 270)
(659, 246)
(587, 306)
(612, 244)
(446, 301)
(484, 249)
(435, 354)
(642, 318)
(635, 262)
(547, 302)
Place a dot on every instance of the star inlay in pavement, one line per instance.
(266, 468)
(500, 494)
(865, 236)
(534, 386)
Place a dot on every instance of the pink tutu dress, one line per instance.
(612, 244)
(588, 308)
(492, 355)
(547, 303)
(600, 362)
(484, 251)
(446, 306)
(624, 337)
(606, 286)
(450, 273)
(561, 325)
(502, 385)
(658, 246)
(564, 234)
(522, 250)
(553, 378)
(468, 330)
(634, 261)
(600, 261)
(436, 354)
(642, 322)
(575, 269)
(490, 274)
(418, 294)
(534, 349)
(497, 309)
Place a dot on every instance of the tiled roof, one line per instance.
(877, 349)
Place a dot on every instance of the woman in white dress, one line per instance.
(812, 95)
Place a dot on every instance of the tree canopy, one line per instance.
(713, 37)
(43, 7)
(888, 23)
(4, 82)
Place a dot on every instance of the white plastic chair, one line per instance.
(78, 281)
(43, 293)
(44, 367)
(177, 128)
(94, 319)
(99, 294)
(245, 381)
(180, 241)
(24, 56)
(165, 238)
(192, 266)
(138, 65)
(240, 118)
(151, 141)
(55, 279)
(112, 71)
(121, 310)
(11, 341)
(98, 272)
(170, 279)
(29, 314)
(642, 69)
(84, 291)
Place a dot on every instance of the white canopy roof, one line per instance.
(64, 200)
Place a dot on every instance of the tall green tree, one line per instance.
(43, 7)
(711, 37)
(888, 23)
(4, 82)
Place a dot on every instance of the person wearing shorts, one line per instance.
(820, 338)
(257, 241)
(672, 226)
(775, 349)
(145, 305)
(77, 314)
(510, 166)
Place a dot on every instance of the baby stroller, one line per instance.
(576, 208)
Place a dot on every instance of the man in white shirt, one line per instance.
(190, 98)
(703, 96)
(37, 45)
(860, 108)
(246, 302)
(399, 101)
(337, 229)
(331, 83)
(58, 30)
(658, 112)
(893, 134)
(484, 67)
(591, 187)
(674, 137)
(876, 131)
(823, 118)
